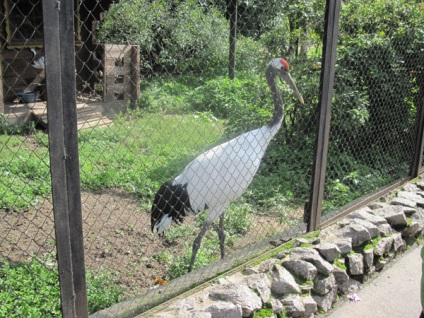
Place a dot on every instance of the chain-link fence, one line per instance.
(159, 83)
(377, 99)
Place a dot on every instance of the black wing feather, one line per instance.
(171, 200)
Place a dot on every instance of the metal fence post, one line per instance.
(232, 12)
(59, 47)
(314, 206)
(419, 140)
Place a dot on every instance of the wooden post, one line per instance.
(59, 45)
(232, 12)
(314, 206)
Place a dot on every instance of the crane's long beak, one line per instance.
(289, 80)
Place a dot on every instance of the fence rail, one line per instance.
(135, 90)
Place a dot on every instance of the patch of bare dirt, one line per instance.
(117, 237)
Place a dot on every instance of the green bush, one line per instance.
(194, 40)
(173, 36)
(243, 100)
(135, 22)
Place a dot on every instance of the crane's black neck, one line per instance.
(277, 117)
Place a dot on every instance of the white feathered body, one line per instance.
(213, 179)
(221, 175)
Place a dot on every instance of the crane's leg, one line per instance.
(221, 235)
(197, 242)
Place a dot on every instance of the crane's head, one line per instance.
(281, 67)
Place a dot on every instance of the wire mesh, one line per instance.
(153, 93)
(376, 99)
(187, 105)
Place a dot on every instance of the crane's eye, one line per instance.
(285, 64)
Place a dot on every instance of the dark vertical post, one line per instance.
(59, 47)
(332, 14)
(232, 12)
(419, 140)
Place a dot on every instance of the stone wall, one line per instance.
(307, 277)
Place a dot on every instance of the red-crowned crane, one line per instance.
(220, 175)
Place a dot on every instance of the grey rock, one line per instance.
(398, 243)
(371, 227)
(282, 281)
(300, 268)
(404, 202)
(371, 270)
(412, 230)
(383, 246)
(183, 314)
(221, 309)
(408, 211)
(380, 264)
(323, 285)
(239, 295)
(368, 216)
(250, 271)
(376, 205)
(368, 258)
(222, 281)
(267, 265)
(411, 196)
(328, 234)
(418, 218)
(357, 232)
(344, 245)
(325, 302)
(350, 287)
(364, 209)
(329, 251)
(198, 314)
(261, 284)
(306, 288)
(312, 256)
(420, 185)
(340, 276)
(420, 214)
(410, 187)
(391, 256)
(310, 306)
(300, 241)
(356, 264)
(281, 255)
(184, 305)
(277, 306)
(294, 306)
(393, 214)
(385, 229)
(331, 235)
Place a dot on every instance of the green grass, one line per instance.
(24, 171)
(31, 289)
(138, 153)
(207, 254)
(141, 151)
(340, 264)
(264, 313)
